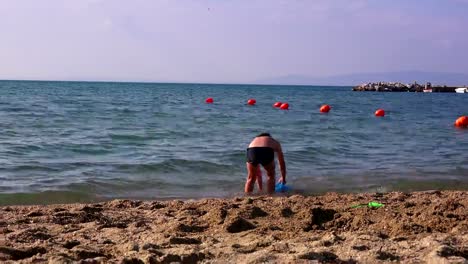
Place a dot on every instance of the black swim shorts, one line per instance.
(260, 155)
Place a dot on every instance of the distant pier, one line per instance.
(401, 87)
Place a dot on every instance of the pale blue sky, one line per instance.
(228, 40)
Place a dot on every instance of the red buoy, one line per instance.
(251, 101)
(277, 104)
(380, 112)
(325, 109)
(209, 100)
(462, 121)
(284, 106)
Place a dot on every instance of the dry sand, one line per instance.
(420, 227)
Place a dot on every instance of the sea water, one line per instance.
(86, 141)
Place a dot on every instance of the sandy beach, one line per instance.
(419, 227)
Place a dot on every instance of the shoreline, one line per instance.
(52, 197)
(428, 226)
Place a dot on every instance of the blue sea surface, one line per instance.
(86, 141)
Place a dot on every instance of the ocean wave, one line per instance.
(129, 137)
(14, 109)
(175, 165)
(30, 167)
(90, 149)
(25, 148)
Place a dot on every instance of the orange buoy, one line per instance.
(209, 100)
(277, 104)
(325, 108)
(284, 106)
(462, 121)
(251, 101)
(380, 112)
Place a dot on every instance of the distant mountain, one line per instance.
(436, 78)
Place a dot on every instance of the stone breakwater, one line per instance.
(401, 87)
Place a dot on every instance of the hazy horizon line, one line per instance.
(163, 82)
(344, 80)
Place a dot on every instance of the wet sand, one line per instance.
(419, 227)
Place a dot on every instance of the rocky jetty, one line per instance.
(401, 87)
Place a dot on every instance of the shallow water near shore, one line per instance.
(84, 141)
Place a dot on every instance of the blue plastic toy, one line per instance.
(280, 187)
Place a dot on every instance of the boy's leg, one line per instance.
(270, 168)
(251, 177)
(259, 178)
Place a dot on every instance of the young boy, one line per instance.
(262, 151)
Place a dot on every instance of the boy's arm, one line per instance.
(282, 164)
